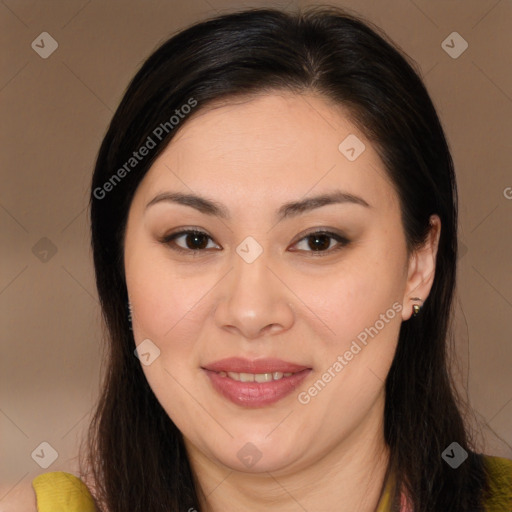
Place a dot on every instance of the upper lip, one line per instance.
(241, 365)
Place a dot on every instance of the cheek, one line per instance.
(352, 297)
(165, 298)
(166, 309)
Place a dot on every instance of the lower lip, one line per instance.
(255, 394)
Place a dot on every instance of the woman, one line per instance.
(274, 220)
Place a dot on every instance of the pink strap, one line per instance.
(404, 504)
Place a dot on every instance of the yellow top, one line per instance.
(59, 491)
(63, 492)
(501, 484)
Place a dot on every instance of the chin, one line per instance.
(255, 454)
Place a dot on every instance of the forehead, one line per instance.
(269, 149)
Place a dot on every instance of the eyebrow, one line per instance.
(287, 210)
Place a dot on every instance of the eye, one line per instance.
(320, 242)
(195, 241)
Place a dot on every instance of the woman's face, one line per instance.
(261, 295)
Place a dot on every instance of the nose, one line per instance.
(254, 301)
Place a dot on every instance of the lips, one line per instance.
(255, 383)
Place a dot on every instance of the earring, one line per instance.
(416, 308)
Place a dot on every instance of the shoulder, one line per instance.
(499, 471)
(47, 492)
(21, 498)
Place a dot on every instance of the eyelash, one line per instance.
(167, 239)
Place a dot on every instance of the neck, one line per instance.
(348, 476)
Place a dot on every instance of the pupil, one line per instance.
(195, 237)
(320, 246)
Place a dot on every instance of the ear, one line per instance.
(421, 270)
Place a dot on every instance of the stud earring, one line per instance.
(416, 308)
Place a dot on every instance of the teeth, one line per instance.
(263, 377)
(255, 377)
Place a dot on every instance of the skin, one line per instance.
(252, 156)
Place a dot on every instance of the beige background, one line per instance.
(54, 114)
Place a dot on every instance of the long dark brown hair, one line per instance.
(135, 452)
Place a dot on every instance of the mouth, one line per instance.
(255, 383)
